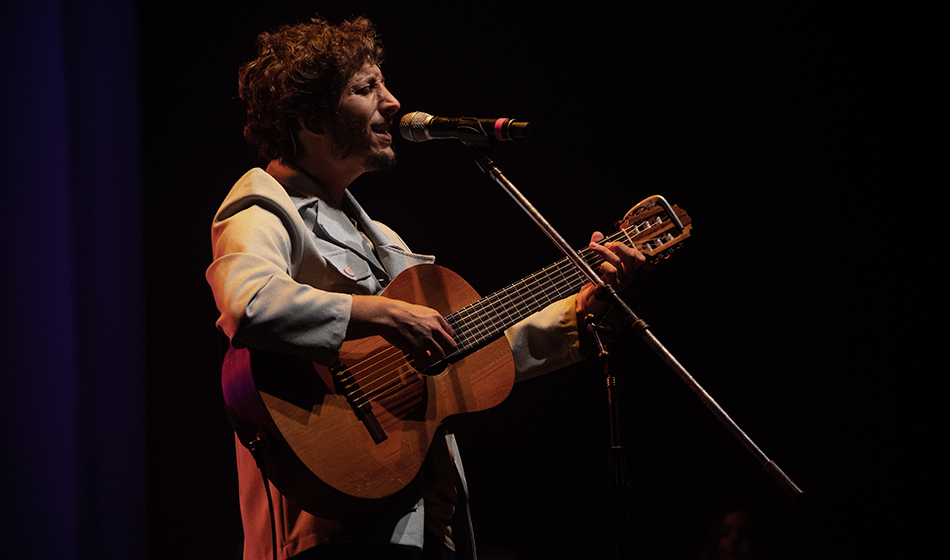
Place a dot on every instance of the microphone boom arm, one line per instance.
(607, 293)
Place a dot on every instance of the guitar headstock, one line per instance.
(655, 228)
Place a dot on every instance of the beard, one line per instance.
(350, 137)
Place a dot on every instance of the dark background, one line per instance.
(778, 128)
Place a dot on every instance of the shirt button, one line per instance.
(349, 271)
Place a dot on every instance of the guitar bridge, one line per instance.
(361, 405)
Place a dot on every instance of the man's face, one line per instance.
(361, 132)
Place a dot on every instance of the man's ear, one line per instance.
(315, 129)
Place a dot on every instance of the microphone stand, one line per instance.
(607, 293)
(617, 456)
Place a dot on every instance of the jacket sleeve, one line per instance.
(257, 248)
(546, 340)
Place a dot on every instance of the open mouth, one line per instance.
(382, 130)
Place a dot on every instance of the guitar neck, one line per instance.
(486, 319)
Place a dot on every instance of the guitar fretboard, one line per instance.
(486, 319)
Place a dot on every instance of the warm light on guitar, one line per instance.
(359, 431)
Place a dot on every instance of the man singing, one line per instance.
(298, 266)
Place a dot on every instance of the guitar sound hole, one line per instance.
(435, 369)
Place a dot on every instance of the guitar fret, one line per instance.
(487, 319)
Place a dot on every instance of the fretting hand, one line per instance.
(620, 262)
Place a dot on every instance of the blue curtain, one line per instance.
(72, 339)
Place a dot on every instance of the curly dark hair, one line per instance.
(301, 70)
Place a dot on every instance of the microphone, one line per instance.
(421, 127)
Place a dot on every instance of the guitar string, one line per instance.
(471, 327)
(467, 329)
(473, 317)
(377, 387)
(547, 276)
(363, 375)
(551, 279)
(369, 383)
(374, 374)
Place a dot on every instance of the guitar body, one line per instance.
(320, 452)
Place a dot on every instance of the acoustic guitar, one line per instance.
(338, 439)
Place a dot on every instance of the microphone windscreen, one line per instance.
(412, 126)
